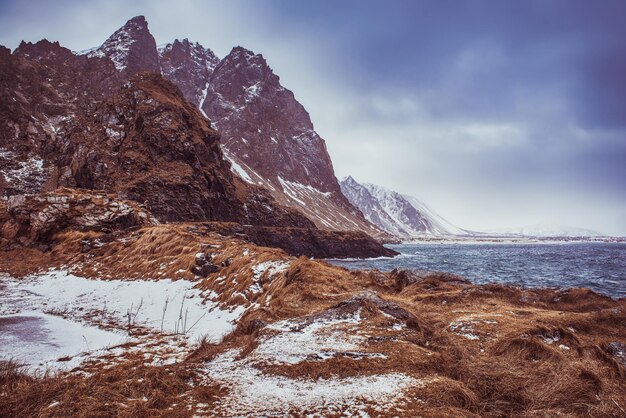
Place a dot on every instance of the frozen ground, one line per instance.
(56, 314)
(39, 340)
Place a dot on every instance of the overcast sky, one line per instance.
(494, 113)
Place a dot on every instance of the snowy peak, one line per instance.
(242, 56)
(189, 65)
(400, 215)
(132, 48)
(370, 207)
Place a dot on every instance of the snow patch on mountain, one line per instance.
(131, 48)
(118, 45)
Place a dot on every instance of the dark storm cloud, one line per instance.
(520, 44)
(497, 113)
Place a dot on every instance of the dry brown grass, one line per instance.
(531, 358)
(129, 390)
(537, 353)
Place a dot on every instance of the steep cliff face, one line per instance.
(400, 215)
(269, 137)
(277, 139)
(266, 133)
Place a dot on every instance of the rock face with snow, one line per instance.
(269, 138)
(189, 66)
(91, 121)
(69, 123)
(132, 48)
(400, 215)
(266, 133)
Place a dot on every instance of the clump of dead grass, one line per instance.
(129, 390)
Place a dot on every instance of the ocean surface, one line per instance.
(598, 266)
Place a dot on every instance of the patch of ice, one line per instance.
(253, 91)
(39, 340)
(292, 188)
(237, 169)
(203, 99)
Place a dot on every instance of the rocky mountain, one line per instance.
(267, 135)
(132, 48)
(189, 66)
(87, 121)
(400, 215)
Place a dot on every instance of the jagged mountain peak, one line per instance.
(178, 53)
(187, 46)
(348, 180)
(244, 53)
(252, 68)
(189, 65)
(132, 48)
(41, 49)
(139, 20)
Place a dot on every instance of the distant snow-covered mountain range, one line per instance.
(548, 230)
(400, 215)
(407, 217)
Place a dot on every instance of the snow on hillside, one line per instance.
(400, 215)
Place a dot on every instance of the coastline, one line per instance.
(306, 331)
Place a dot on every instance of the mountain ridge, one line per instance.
(267, 135)
(81, 122)
(401, 215)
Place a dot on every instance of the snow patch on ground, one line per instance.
(293, 341)
(39, 340)
(123, 307)
(254, 393)
(151, 303)
(267, 270)
(271, 267)
(464, 329)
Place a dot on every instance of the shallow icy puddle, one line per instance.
(38, 339)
